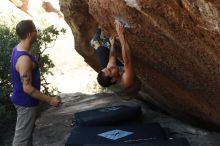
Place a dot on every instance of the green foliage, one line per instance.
(8, 40)
(45, 40)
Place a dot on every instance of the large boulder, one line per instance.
(175, 46)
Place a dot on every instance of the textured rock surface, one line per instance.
(175, 46)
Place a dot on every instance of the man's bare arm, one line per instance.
(24, 67)
(112, 54)
(128, 75)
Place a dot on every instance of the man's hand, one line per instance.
(112, 41)
(55, 101)
(120, 29)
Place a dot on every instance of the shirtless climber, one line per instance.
(113, 72)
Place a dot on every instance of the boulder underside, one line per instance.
(175, 46)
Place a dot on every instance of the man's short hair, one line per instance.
(24, 27)
(104, 81)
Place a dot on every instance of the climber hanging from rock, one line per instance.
(101, 43)
(112, 70)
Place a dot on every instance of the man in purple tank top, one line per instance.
(25, 77)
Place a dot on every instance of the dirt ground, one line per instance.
(53, 127)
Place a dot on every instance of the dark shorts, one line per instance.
(103, 56)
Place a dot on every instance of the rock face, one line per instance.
(175, 46)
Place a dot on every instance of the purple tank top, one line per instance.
(19, 97)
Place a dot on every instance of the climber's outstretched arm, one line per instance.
(128, 75)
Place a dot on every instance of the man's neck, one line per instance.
(24, 45)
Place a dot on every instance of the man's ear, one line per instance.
(29, 34)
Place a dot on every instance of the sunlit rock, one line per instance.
(175, 46)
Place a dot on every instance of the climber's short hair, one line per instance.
(104, 81)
